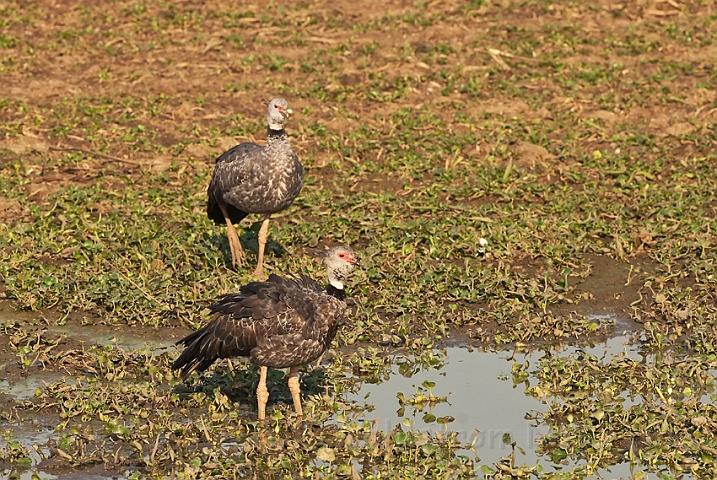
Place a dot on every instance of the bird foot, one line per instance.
(237, 259)
(259, 273)
(237, 251)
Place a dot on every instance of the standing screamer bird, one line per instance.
(279, 323)
(249, 178)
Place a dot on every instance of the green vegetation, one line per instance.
(568, 136)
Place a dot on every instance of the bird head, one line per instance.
(339, 262)
(277, 112)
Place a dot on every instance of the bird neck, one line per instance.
(337, 292)
(278, 148)
(276, 136)
(276, 128)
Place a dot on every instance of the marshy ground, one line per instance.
(578, 138)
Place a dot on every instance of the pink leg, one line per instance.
(295, 389)
(234, 243)
(262, 394)
(263, 234)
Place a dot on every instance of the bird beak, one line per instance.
(287, 112)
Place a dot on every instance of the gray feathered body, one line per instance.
(249, 178)
(280, 323)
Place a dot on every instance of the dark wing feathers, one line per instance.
(231, 167)
(221, 338)
(305, 342)
(214, 212)
(309, 283)
(281, 322)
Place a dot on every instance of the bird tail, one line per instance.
(195, 355)
(214, 212)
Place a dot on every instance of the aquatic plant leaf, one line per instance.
(558, 454)
(326, 454)
(487, 471)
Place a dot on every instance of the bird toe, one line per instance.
(259, 274)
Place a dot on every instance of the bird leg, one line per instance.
(262, 394)
(295, 389)
(263, 234)
(234, 243)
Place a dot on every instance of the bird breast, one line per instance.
(260, 185)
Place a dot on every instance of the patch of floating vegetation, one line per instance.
(26, 448)
(510, 406)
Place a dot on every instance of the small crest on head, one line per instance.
(340, 252)
(321, 253)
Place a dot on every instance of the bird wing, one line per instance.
(240, 319)
(282, 319)
(278, 306)
(265, 308)
(232, 168)
(316, 317)
(239, 154)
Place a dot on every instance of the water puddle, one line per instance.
(135, 338)
(32, 436)
(144, 338)
(26, 388)
(30, 439)
(475, 395)
(27, 475)
(481, 396)
(35, 474)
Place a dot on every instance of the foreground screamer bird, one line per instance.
(283, 322)
(249, 178)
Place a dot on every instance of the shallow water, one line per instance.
(27, 433)
(477, 383)
(27, 475)
(33, 474)
(135, 339)
(25, 388)
(38, 431)
(482, 396)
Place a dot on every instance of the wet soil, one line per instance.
(605, 283)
